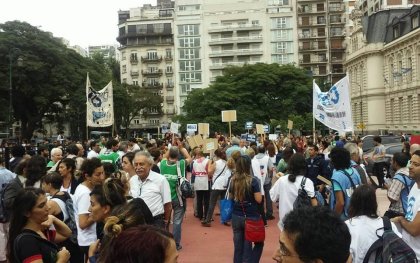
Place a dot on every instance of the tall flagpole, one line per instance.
(87, 107)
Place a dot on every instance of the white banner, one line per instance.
(99, 106)
(333, 108)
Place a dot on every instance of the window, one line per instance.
(152, 69)
(136, 121)
(154, 121)
(278, 2)
(168, 53)
(280, 22)
(189, 42)
(415, 21)
(153, 110)
(255, 22)
(396, 31)
(135, 82)
(188, 7)
(392, 110)
(188, 30)
(124, 68)
(320, 20)
(281, 34)
(190, 77)
(123, 55)
(280, 59)
(185, 88)
(281, 47)
(168, 68)
(133, 57)
(190, 65)
(152, 54)
(190, 53)
(410, 108)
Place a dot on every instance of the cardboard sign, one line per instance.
(289, 124)
(249, 125)
(204, 129)
(175, 127)
(260, 128)
(228, 115)
(266, 128)
(251, 138)
(191, 127)
(210, 145)
(195, 141)
(272, 137)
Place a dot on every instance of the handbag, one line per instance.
(226, 208)
(184, 188)
(254, 229)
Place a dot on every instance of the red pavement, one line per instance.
(215, 243)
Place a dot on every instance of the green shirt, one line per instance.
(110, 157)
(171, 174)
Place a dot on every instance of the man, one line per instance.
(169, 167)
(378, 158)
(313, 234)
(400, 186)
(316, 165)
(56, 156)
(132, 145)
(75, 152)
(110, 155)
(6, 176)
(234, 147)
(44, 153)
(153, 188)
(95, 148)
(355, 160)
(263, 167)
(242, 144)
(411, 222)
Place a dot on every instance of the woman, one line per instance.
(364, 222)
(67, 168)
(51, 184)
(201, 183)
(34, 171)
(142, 244)
(286, 188)
(217, 169)
(127, 165)
(245, 191)
(92, 175)
(30, 236)
(282, 165)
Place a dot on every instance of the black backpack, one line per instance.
(70, 221)
(390, 247)
(302, 199)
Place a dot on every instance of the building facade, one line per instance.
(382, 62)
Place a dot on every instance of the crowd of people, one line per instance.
(118, 201)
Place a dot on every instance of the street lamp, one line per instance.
(12, 54)
(361, 124)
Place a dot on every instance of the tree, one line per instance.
(258, 93)
(51, 80)
(131, 101)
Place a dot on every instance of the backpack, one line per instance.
(390, 247)
(302, 199)
(70, 221)
(8, 193)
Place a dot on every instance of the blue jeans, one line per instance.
(179, 212)
(245, 251)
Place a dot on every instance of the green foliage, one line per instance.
(259, 93)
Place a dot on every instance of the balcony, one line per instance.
(231, 28)
(152, 72)
(168, 58)
(235, 52)
(170, 98)
(134, 73)
(312, 23)
(169, 86)
(155, 85)
(219, 66)
(336, 59)
(169, 72)
(313, 61)
(311, 48)
(143, 34)
(338, 34)
(336, 9)
(230, 40)
(152, 59)
(310, 11)
(134, 61)
(337, 21)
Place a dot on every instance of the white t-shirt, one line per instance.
(92, 154)
(81, 201)
(220, 173)
(286, 193)
(155, 191)
(363, 234)
(413, 207)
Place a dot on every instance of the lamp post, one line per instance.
(11, 56)
(361, 124)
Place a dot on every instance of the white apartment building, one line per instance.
(383, 63)
(368, 7)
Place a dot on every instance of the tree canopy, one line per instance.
(260, 93)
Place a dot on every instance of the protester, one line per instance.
(66, 168)
(127, 165)
(313, 234)
(18, 153)
(153, 188)
(285, 190)
(92, 175)
(364, 224)
(245, 190)
(56, 155)
(282, 165)
(201, 183)
(34, 171)
(146, 244)
(110, 155)
(30, 236)
(95, 148)
(378, 158)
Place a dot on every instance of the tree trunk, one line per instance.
(27, 129)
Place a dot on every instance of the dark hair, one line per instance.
(296, 166)
(24, 202)
(155, 153)
(314, 146)
(72, 149)
(134, 140)
(41, 148)
(261, 149)
(129, 156)
(69, 163)
(340, 158)
(109, 169)
(220, 153)
(363, 202)
(21, 166)
(145, 244)
(35, 170)
(271, 149)
(111, 143)
(401, 159)
(53, 178)
(89, 166)
(287, 153)
(416, 153)
(318, 234)
(18, 151)
(377, 139)
(111, 193)
(93, 143)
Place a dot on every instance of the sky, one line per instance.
(82, 22)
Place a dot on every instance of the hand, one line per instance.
(93, 248)
(48, 222)
(279, 174)
(63, 255)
